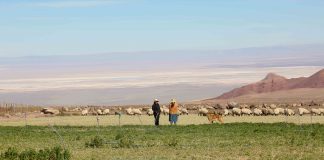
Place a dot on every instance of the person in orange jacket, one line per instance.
(173, 112)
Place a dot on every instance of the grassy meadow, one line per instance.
(208, 141)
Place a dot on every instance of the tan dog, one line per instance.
(213, 117)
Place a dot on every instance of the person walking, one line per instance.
(156, 111)
(174, 111)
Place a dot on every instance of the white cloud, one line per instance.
(74, 3)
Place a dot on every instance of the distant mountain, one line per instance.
(273, 82)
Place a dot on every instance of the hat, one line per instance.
(156, 100)
(173, 101)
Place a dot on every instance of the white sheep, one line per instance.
(246, 111)
(209, 107)
(202, 111)
(257, 112)
(106, 112)
(137, 111)
(289, 112)
(99, 111)
(244, 106)
(76, 109)
(231, 105)
(273, 106)
(270, 111)
(129, 111)
(322, 110)
(183, 111)
(165, 110)
(84, 112)
(237, 111)
(278, 111)
(226, 112)
(150, 112)
(303, 111)
(315, 111)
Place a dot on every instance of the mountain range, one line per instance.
(273, 83)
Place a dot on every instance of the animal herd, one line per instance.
(235, 109)
(229, 109)
(130, 111)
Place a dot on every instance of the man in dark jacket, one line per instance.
(156, 111)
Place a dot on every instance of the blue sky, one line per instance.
(43, 27)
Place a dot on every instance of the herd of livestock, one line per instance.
(229, 109)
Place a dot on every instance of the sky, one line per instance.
(133, 51)
(74, 27)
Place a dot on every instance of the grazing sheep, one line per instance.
(99, 112)
(289, 112)
(315, 111)
(270, 111)
(303, 111)
(65, 109)
(237, 111)
(50, 111)
(225, 112)
(137, 111)
(273, 106)
(246, 111)
(183, 111)
(244, 106)
(220, 106)
(106, 112)
(257, 112)
(76, 109)
(150, 112)
(165, 110)
(264, 111)
(202, 111)
(84, 112)
(230, 112)
(129, 111)
(209, 107)
(231, 105)
(279, 111)
(322, 110)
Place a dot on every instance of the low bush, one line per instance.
(56, 153)
(124, 141)
(96, 142)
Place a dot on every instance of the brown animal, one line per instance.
(213, 117)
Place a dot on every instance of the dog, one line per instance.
(213, 117)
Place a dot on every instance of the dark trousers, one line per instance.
(157, 118)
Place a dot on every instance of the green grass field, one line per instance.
(208, 141)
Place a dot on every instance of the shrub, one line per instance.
(124, 141)
(28, 155)
(96, 142)
(56, 153)
(10, 154)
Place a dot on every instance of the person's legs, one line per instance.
(157, 119)
(175, 119)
